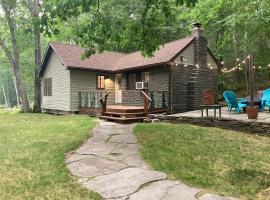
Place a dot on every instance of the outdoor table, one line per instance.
(214, 107)
(247, 100)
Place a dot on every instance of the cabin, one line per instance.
(117, 85)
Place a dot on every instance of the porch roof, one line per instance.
(70, 56)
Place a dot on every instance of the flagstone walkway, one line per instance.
(109, 164)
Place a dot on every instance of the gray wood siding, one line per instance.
(188, 53)
(85, 81)
(159, 81)
(60, 99)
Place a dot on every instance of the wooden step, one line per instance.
(120, 119)
(124, 114)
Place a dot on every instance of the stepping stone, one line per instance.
(166, 190)
(132, 160)
(156, 190)
(74, 157)
(98, 138)
(123, 182)
(104, 131)
(214, 197)
(181, 192)
(91, 166)
(127, 149)
(96, 148)
(123, 138)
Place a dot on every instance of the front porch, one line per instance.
(95, 103)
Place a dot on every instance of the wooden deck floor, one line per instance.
(124, 113)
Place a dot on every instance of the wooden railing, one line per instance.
(90, 99)
(159, 100)
(147, 101)
(103, 102)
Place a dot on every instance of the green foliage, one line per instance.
(13, 110)
(223, 161)
(125, 24)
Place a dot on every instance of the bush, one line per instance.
(12, 110)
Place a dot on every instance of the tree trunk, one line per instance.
(34, 9)
(13, 56)
(21, 88)
(16, 90)
(5, 96)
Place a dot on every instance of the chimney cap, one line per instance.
(197, 25)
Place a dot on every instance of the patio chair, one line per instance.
(233, 102)
(265, 99)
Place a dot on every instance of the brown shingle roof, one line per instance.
(70, 55)
(165, 54)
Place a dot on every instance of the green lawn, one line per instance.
(223, 161)
(33, 148)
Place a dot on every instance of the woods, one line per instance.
(233, 29)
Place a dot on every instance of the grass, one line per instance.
(33, 148)
(223, 161)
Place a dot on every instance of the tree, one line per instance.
(13, 54)
(109, 24)
(34, 9)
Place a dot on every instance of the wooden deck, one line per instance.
(124, 113)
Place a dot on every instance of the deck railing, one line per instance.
(159, 99)
(90, 99)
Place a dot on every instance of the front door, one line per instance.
(118, 89)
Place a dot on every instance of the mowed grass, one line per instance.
(33, 149)
(223, 161)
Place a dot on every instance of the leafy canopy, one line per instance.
(121, 24)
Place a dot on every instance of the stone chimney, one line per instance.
(200, 48)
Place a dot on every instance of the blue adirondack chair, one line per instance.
(233, 102)
(266, 99)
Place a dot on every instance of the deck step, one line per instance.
(124, 114)
(121, 119)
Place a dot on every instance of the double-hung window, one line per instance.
(100, 82)
(47, 87)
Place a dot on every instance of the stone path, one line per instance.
(109, 164)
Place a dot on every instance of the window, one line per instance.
(100, 82)
(146, 76)
(132, 78)
(131, 81)
(47, 84)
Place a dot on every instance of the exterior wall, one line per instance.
(159, 81)
(200, 52)
(130, 97)
(85, 81)
(188, 84)
(60, 99)
(179, 94)
(188, 54)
